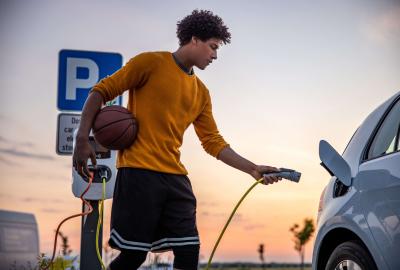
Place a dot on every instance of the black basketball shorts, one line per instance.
(152, 211)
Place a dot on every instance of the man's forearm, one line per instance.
(90, 109)
(233, 159)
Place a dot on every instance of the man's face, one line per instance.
(205, 51)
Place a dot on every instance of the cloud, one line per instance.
(208, 203)
(27, 144)
(237, 218)
(25, 154)
(253, 227)
(47, 175)
(51, 210)
(384, 28)
(8, 162)
(43, 200)
(16, 143)
(19, 149)
(215, 215)
(6, 196)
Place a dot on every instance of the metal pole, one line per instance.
(88, 258)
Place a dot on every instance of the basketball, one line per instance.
(115, 127)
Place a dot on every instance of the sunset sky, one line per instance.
(296, 72)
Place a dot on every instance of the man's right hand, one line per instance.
(82, 152)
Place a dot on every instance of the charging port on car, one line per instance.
(339, 189)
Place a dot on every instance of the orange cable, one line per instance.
(73, 216)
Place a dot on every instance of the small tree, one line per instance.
(261, 252)
(301, 237)
(64, 245)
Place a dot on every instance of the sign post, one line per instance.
(88, 258)
(78, 72)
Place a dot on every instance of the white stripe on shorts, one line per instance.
(177, 239)
(175, 244)
(159, 244)
(116, 241)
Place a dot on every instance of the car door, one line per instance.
(378, 182)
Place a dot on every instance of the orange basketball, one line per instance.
(115, 127)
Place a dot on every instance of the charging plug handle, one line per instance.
(287, 174)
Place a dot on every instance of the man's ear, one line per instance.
(194, 40)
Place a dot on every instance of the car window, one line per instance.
(398, 141)
(387, 137)
(352, 137)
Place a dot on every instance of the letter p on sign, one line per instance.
(78, 72)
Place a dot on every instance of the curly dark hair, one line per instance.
(204, 25)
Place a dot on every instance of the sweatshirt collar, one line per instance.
(181, 66)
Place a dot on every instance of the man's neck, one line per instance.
(183, 61)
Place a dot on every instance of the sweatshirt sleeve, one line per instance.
(207, 131)
(131, 76)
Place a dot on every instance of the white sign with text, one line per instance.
(66, 125)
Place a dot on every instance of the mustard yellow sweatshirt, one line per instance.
(165, 101)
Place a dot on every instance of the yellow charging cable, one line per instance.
(229, 220)
(101, 211)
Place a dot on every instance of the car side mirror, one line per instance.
(334, 163)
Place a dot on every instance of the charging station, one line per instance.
(105, 168)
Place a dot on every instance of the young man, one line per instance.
(154, 208)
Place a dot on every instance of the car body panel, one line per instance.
(341, 213)
(370, 209)
(379, 189)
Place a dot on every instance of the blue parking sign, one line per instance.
(78, 72)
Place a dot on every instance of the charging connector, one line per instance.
(287, 174)
(100, 172)
(104, 175)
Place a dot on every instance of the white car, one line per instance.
(359, 211)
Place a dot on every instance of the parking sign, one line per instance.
(78, 72)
